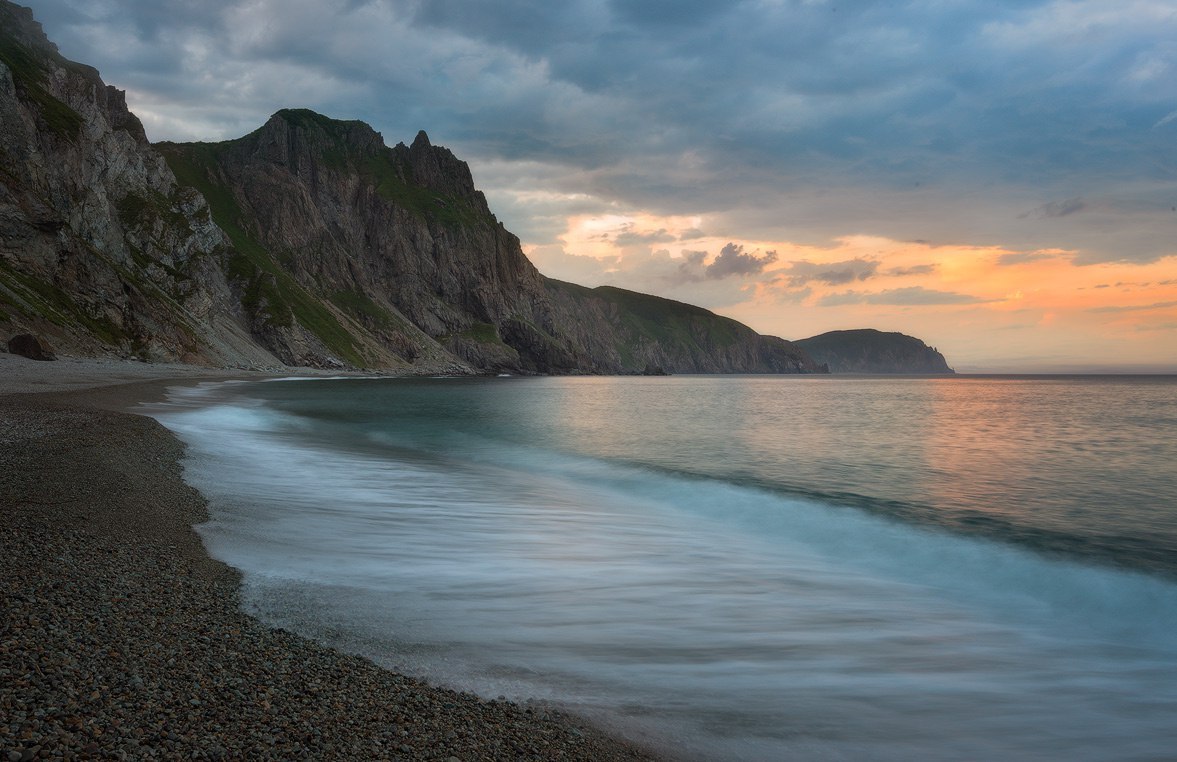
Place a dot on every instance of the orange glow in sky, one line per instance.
(986, 308)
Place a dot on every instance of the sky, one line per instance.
(996, 178)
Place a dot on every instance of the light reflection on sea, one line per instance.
(681, 558)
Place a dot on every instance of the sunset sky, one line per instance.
(996, 178)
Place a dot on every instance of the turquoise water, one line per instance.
(728, 567)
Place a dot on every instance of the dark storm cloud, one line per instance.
(793, 120)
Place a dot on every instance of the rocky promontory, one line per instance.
(866, 350)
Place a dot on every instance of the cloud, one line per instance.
(1134, 307)
(691, 268)
(906, 120)
(911, 296)
(733, 260)
(577, 268)
(1165, 119)
(687, 277)
(1056, 209)
(1025, 257)
(831, 273)
(913, 270)
(630, 238)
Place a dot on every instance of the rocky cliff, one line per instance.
(869, 351)
(628, 331)
(398, 240)
(386, 256)
(100, 248)
(309, 241)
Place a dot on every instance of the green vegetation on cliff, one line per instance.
(54, 304)
(867, 350)
(670, 322)
(649, 331)
(269, 291)
(29, 74)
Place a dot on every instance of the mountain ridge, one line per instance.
(437, 259)
(306, 242)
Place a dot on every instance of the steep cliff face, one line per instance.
(333, 228)
(399, 240)
(100, 249)
(869, 351)
(307, 242)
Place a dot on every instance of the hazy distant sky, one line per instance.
(997, 178)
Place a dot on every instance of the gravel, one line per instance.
(121, 639)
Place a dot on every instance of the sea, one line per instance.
(727, 567)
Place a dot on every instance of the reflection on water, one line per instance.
(677, 556)
(1076, 465)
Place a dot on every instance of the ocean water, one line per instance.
(757, 568)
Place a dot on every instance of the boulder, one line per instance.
(32, 347)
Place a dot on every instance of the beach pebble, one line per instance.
(122, 639)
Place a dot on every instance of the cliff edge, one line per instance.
(866, 350)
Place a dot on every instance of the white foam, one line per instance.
(739, 623)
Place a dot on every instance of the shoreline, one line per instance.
(121, 637)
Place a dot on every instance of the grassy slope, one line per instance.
(670, 322)
(644, 318)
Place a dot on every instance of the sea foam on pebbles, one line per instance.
(120, 638)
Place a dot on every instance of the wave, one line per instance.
(728, 621)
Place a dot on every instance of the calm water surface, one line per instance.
(729, 567)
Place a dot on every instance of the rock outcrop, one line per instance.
(387, 256)
(32, 347)
(869, 351)
(307, 242)
(100, 249)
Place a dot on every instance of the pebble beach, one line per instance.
(120, 638)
